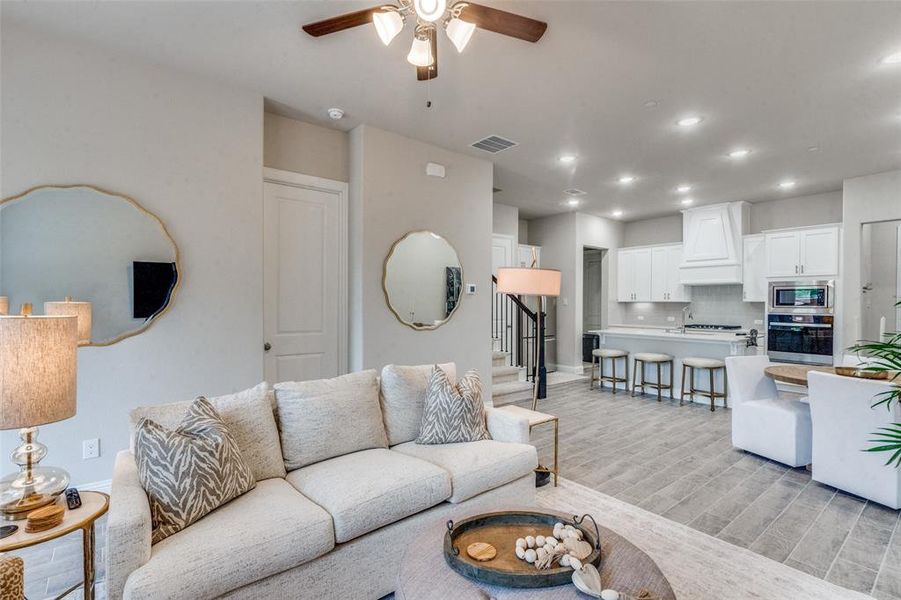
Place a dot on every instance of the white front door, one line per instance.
(502, 248)
(304, 278)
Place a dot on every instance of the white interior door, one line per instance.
(304, 279)
(502, 255)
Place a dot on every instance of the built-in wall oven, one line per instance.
(800, 322)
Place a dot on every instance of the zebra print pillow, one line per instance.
(453, 414)
(190, 471)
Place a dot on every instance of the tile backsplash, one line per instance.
(714, 304)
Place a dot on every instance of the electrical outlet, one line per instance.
(758, 321)
(671, 319)
(640, 317)
(90, 448)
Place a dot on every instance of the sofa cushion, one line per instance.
(476, 467)
(250, 420)
(266, 531)
(370, 489)
(453, 413)
(403, 391)
(325, 418)
(189, 471)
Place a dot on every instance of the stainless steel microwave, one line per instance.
(802, 297)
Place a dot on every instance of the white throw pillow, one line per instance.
(326, 418)
(403, 394)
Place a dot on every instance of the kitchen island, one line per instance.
(697, 344)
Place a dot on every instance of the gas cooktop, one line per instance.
(713, 327)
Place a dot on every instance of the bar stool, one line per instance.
(711, 365)
(597, 361)
(652, 358)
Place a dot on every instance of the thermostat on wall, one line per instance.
(470, 288)
(434, 170)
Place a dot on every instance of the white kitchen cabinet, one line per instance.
(633, 278)
(808, 252)
(665, 285)
(754, 284)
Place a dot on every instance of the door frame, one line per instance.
(339, 190)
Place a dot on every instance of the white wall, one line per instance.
(596, 232)
(868, 199)
(799, 211)
(879, 269)
(391, 195)
(188, 150)
(306, 148)
(661, 230)
(505, 221)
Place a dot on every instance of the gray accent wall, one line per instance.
(391, 195)
(189, 150)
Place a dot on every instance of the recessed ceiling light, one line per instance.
(651, 104)
(739, 153)
(787, 184)
(617, 213)
(573, 202)
(891, 59)
(567, 158)
(687, 201)
(690, 121)
(683, 189)
(813, 148)
(627, 179)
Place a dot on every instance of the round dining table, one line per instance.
(793, 373)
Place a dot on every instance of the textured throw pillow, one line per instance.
(326, 418)
(451, 413)
(403, 391)
(190, 471)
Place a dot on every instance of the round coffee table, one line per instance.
(424, 574)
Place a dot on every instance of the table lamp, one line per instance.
(530, 282)
(69, 307)
(37, 386)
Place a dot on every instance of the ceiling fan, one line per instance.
(459, 21)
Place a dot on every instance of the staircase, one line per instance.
(508, 383)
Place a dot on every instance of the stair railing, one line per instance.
(514, 329)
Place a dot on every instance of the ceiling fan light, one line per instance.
(460, 32)
(430, 10)
(388, 24)
(420, 52)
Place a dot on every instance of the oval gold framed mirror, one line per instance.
(422, 280)
(97, 249)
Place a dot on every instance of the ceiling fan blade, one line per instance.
(503, 22)
(431, 71)
(341, 22)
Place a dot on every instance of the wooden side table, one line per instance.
(537, 418)
(93, 506)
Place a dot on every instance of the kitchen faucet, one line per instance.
(686, 309)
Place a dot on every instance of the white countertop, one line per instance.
(664, 333)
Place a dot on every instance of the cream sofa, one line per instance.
(335, 528)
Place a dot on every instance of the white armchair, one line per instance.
(762, 422)
(843, 421)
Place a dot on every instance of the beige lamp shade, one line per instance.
(529, 282)
(70, 308)
(4, 305)
(37, 370)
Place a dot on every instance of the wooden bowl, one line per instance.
(501, 530)
(860, 373)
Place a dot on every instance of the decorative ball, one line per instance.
(531, 555)
(530, 541)
(521, 543)
(520, 553)
(539, 540)
(558, 529)
(564, 560)
(609, 595)
(551, 541)
(540, 553)
(575, 563)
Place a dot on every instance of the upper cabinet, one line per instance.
(808, 252)
(650, 275)
(754, 285)
(665, 285)
(712, 246)
(633, 280)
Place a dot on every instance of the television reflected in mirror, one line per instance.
(90, 245)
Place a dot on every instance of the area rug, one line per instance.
(698, 566)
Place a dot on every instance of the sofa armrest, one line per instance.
(507, 427)
(129, 525)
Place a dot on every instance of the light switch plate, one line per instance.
(640, 317)
(758, 321)
(671, 319)
(470, 288)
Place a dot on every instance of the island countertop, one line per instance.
(672, 334)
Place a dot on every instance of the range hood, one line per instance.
(712, 244)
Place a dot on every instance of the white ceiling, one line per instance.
(776, 77)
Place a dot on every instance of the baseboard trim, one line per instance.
(574, 370)
(104, 486)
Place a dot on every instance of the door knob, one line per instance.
(267, 347)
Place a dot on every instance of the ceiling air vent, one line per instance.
(493, 144)
(574, 192)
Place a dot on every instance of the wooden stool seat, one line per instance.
(711, 365)
(597, 365)
(654, 358)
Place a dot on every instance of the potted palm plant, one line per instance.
(884, 356)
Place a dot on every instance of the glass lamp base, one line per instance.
(33, 486)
